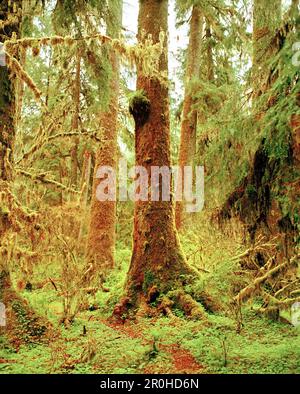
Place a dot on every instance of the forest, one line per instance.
(149, 187)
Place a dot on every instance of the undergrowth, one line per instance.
(94, 344)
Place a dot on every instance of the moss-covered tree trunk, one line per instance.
(266, 19)
(209, 53)
(158, 266)
(75, 123)
(9, 11)
(21, 322)
(253, 198)
(10, 19)
(265, 200)
(187, 148)
(102, 229)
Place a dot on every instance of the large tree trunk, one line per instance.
(187, 148)
(7, 89)
(158, 265)
(102, 230)
(21, 322)
(266, 19)
(8, 86)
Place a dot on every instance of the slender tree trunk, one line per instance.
(102, 229)
(206, 107)
(158, 265)
(85, 178)
(75, 123)
(84, 188)
(187, 148)
(209, 53)
(266, 19)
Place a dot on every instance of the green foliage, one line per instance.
(148, 280)
(261, 347)
(66, 12)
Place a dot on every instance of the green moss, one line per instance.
(149, 281)
(30, 327)
(139, 107)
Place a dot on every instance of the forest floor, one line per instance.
(161, 346)
(95, 344)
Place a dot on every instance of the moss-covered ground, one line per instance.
(95, 344)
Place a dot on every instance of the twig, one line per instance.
(53, 283)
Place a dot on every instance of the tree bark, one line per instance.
(75, 124)
(8, 85)
(102, 229)
(209, 53)
(158, 265)
(84, 188)
(187, 148)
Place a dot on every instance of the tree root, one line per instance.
(188, 305)
(165, 304)
(209, 303)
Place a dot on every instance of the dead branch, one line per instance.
(278, 304)
(53, 283)
(250, 289)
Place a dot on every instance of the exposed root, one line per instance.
(120, 312)
(209, 303)
(165, 304)
(188, 305)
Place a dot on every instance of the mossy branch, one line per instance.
(16, 67)
(42, 178)
(39, 145)
(145, 54)
(278, 304)
(252, 287)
